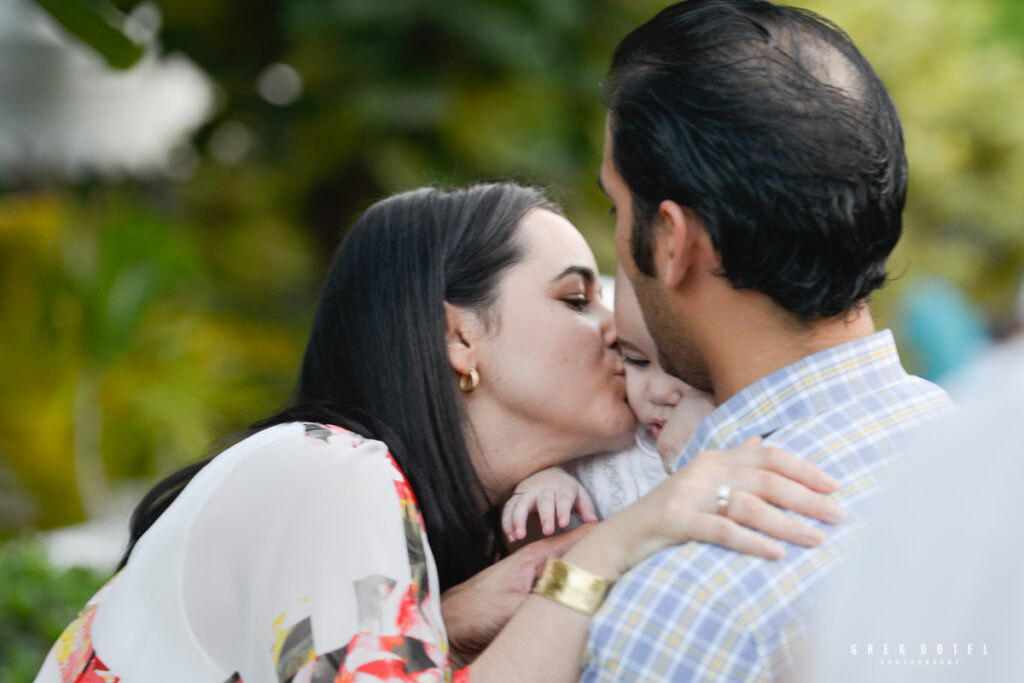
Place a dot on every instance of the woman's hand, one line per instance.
(685, 507)
(551, 492)
(476, 609)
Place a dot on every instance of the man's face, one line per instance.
(678, 353)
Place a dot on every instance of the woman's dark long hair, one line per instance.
(377, 363)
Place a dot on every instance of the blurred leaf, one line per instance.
(90, 23)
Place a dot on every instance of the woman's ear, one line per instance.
(460, 335)
(680, 243)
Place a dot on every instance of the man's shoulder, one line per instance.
(699, 611)
(702, 576)
(879, 421)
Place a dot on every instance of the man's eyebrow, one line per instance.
(586, 273)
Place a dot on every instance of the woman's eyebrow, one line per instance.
(586, 273)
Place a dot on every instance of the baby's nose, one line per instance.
(666, 391)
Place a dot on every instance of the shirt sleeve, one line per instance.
(310, 563)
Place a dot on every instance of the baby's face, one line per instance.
(651, 392)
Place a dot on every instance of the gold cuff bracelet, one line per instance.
(571, 586)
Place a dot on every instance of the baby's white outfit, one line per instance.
(617, 478)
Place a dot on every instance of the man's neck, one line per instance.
(753, 346)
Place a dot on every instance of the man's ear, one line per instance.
(462, 326)
(680, 243)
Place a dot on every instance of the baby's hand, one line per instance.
(682, 423)
(549, 491)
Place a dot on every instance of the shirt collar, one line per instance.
(809, 386)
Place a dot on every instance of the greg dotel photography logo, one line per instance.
(919, 653)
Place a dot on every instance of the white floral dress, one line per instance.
(297, 555)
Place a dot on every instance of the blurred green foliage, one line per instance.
(143, 318)
(98, 25)
(956, 72)
(37, 601)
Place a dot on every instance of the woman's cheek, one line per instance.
(634, 384)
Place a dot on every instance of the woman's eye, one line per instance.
(636, 362)
(577, 302)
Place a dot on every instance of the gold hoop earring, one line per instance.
(469, 382)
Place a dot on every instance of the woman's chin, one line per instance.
(622, 437)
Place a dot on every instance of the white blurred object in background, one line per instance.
(64, 112)
(936, 592)
(279, 84)
(607, 283)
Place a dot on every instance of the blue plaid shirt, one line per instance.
(701, 612)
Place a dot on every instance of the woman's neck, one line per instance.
(505, 449)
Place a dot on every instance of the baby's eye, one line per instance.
(636, 362)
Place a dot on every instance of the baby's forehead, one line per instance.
(630, 326)
(630, 322)
(624, 301)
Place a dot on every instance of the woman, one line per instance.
(461, 329)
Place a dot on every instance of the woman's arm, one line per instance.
(544, 639)
(477, 609)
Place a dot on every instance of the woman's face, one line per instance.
(552, 384)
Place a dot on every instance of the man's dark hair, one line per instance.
(768, 123)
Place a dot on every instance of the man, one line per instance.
(756, 165)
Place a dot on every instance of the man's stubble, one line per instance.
(678, 353)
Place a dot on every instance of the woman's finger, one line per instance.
(753, 512)
(797, 469)
(751, 442)
(778, 490)
(713, 528)
(778, 460)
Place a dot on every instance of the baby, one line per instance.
(668, 412)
